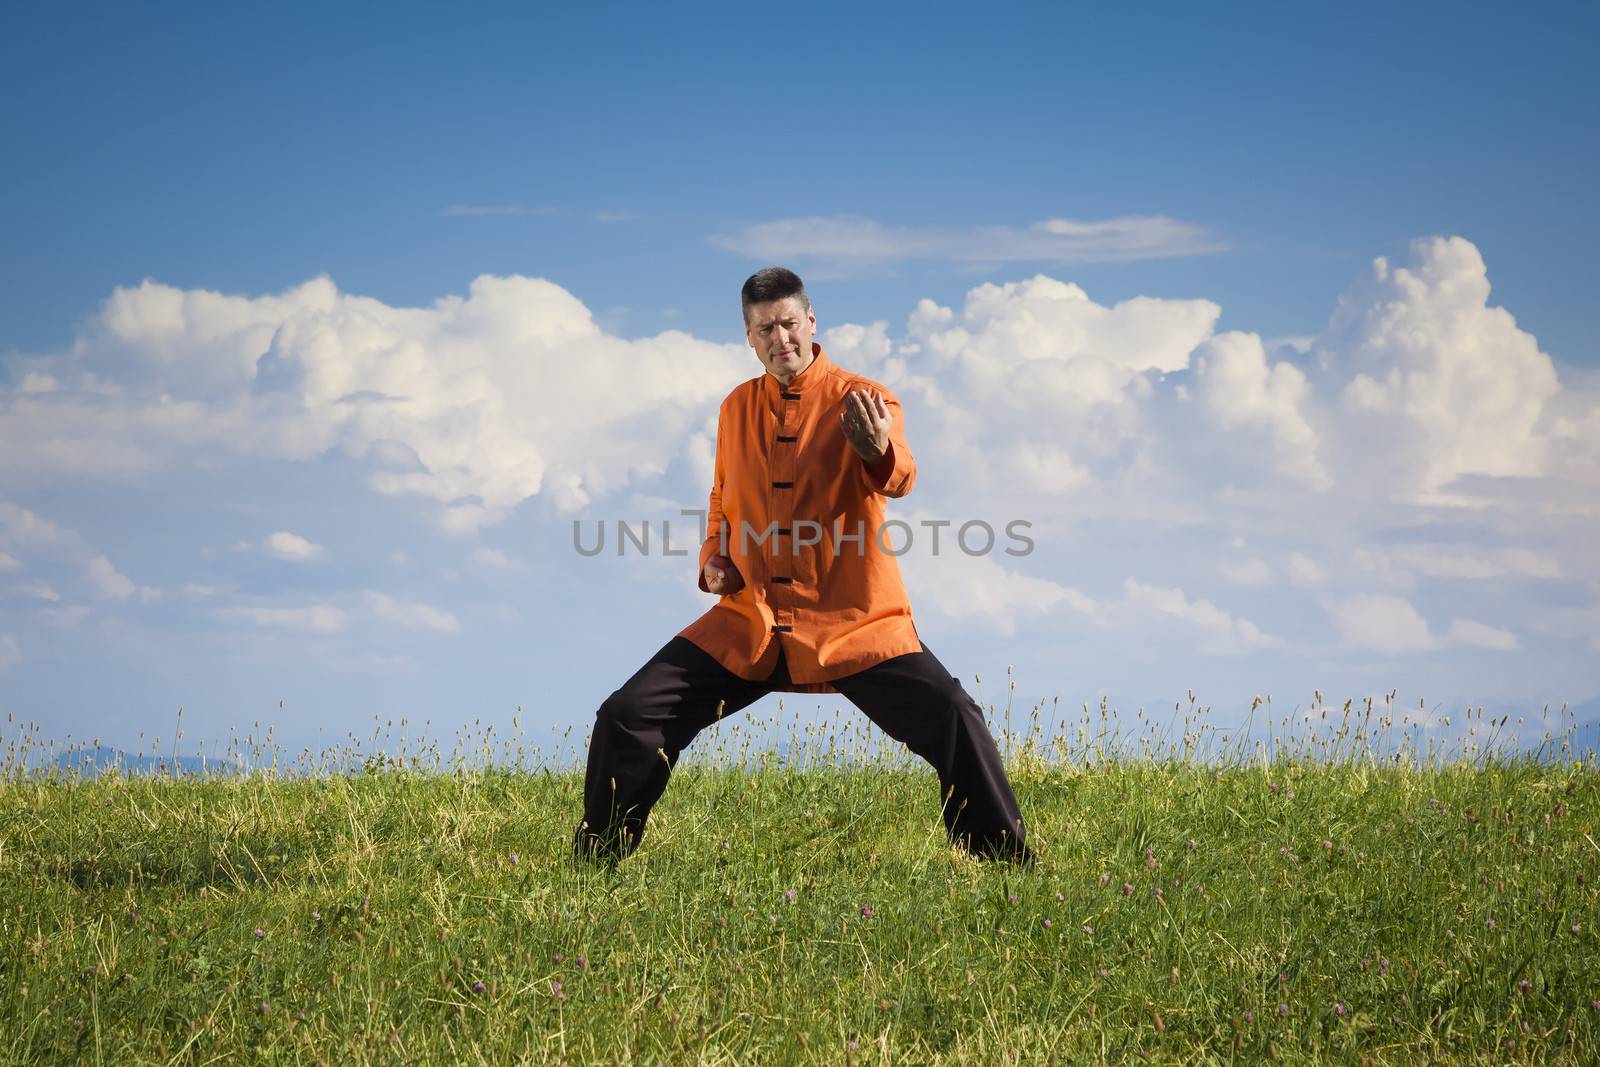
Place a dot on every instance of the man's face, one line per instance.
(780, 331)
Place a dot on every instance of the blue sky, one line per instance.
(1241, 169)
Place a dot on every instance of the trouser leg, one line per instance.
(639, 732)
(916, 701)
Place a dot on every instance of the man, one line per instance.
(809, 600)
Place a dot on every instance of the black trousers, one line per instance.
(676, 694)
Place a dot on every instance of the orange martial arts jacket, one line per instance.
(800, 514)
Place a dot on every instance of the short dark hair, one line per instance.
(769, 284)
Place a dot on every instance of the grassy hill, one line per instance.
(1335, 910)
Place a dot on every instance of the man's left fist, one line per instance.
(722, 577)
(865, 421)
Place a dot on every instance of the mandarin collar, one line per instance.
(814, 373)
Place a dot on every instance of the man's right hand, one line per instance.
(722, 577)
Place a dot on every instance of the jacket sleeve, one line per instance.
(714, 518)
(896, 472)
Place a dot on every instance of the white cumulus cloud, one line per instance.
(292, 546)
(1264, 403)
(1382, 623)
(1222, 632)
(107, 581)
(478, 402)
(962, 586)
(1480, 635)
(1437, 383)
(28, 529)
(66, 616)
(411, 615)
(1250, 572)
(311, 618)
(1303, 570)
(496, 559)
(1035, 385)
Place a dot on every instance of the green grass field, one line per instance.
(1304, 902)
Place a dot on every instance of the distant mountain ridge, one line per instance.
(94, 760)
